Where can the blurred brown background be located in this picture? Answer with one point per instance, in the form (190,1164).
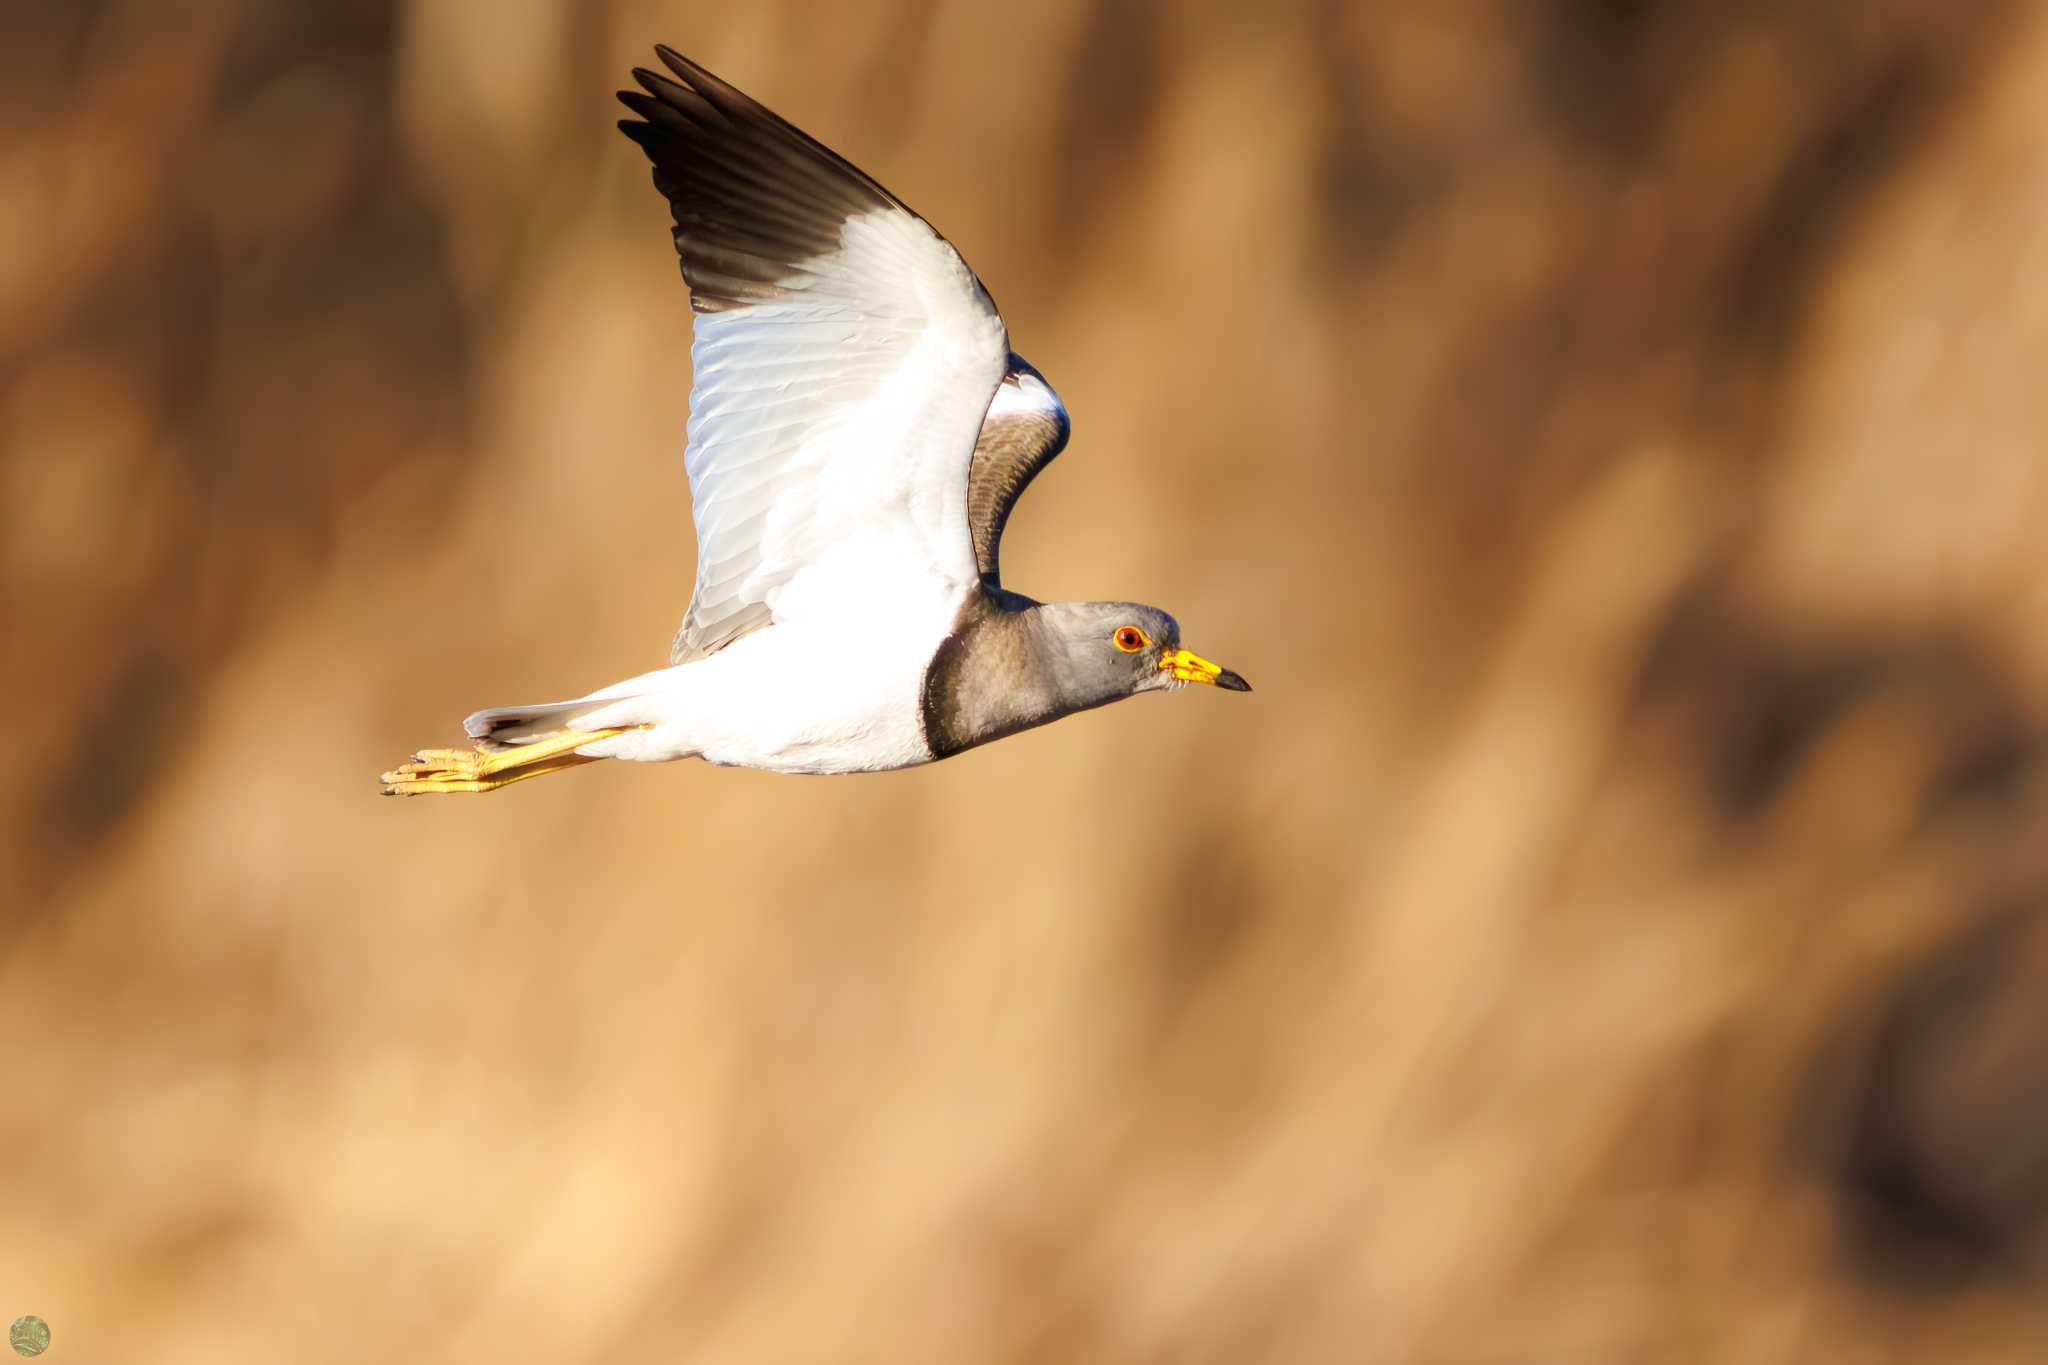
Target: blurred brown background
(1607,433)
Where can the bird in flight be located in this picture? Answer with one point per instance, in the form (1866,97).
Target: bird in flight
(859,432)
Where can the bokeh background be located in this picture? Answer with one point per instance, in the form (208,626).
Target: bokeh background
(1609,435)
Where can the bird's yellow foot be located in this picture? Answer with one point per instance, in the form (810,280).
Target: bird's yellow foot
(438,771)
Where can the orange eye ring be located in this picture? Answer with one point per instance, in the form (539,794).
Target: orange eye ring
(1129,639)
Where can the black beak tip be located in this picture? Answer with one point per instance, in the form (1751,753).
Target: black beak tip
(1231,682)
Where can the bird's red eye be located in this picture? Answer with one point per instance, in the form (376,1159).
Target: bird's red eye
(1130,639)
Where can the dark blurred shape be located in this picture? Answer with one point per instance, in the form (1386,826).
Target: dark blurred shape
(1947,1164)
(1754,701)
(122,750)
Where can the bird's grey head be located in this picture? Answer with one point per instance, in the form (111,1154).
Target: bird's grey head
(1018,663)
(1101,651)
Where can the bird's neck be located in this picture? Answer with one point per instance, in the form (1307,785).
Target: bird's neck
(994,675)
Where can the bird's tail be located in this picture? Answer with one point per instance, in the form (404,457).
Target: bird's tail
(503,727)
(513,743)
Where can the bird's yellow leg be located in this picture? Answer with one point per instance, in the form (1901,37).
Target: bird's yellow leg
(437,771)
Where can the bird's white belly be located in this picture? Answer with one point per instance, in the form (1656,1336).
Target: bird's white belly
(799,697)
(807,705)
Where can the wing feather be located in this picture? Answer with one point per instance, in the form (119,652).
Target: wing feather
(843,360)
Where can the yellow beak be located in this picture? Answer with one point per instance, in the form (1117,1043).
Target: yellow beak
(1187,666)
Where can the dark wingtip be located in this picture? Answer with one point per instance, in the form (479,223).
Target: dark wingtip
(1232,682)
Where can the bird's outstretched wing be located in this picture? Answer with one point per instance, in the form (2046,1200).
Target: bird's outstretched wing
(1025,427)
(844,358)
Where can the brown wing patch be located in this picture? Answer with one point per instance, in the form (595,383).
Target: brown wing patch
(1025,428)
